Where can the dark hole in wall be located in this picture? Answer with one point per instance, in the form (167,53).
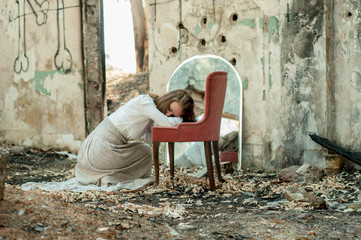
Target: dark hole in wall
(349,14)
(202,45)
(234,17)
(204,20)
(223,39)
(233,61)
(180,26)
(174,50)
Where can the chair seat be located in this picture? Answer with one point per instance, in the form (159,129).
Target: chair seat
(165,134)
(186,132)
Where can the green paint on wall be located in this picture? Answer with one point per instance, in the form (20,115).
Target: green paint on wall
(264,95)
(269,71)
(262,62)
(273,27)
(197,29)
(39,81)
(41,76)
(245,83)
(180,53)
(261,22)
(80,85)
(210,25)
(158,30)
(247,22)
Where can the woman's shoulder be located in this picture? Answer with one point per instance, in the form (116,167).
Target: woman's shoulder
(141,100)
(146,99)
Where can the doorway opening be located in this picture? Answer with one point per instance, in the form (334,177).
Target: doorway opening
(118,37)
(122,81)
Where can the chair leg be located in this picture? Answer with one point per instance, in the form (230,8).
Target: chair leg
(171,158)
(216,160)
(208,153)
(156,161)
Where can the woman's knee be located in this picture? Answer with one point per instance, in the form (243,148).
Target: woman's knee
(147,149)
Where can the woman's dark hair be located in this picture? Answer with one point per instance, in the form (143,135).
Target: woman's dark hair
(179,95)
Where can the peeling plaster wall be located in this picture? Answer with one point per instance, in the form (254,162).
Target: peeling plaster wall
(347,73)
(303,83)
(299,62)
(41,85)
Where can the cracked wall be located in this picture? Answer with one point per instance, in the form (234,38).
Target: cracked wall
(41,96)
(299,62)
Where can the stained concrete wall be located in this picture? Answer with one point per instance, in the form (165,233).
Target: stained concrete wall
(41,84)
(347,73)
(298,60)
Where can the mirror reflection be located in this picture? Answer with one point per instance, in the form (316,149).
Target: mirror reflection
(191,75)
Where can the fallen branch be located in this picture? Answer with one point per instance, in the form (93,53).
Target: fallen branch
(356,158)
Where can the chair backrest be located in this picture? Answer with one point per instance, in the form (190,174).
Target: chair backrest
(208,128)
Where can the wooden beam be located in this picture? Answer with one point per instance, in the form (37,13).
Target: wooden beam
(93,63)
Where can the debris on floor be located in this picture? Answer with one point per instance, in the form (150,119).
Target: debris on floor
(256,205)
(4,157)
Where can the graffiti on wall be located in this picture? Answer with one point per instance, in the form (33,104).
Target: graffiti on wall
(62,59)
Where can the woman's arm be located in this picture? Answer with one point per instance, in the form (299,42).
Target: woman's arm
(151,111)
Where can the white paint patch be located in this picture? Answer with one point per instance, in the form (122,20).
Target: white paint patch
(9,13)
(67,140)
(32,141)
(60,141)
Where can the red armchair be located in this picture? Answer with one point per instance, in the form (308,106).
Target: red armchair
(207,130)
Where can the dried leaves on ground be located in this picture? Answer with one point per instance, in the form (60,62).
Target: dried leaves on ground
(247,205)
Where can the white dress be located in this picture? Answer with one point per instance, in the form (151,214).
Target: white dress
(108,155)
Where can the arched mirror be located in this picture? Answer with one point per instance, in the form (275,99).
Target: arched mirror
(191,75)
